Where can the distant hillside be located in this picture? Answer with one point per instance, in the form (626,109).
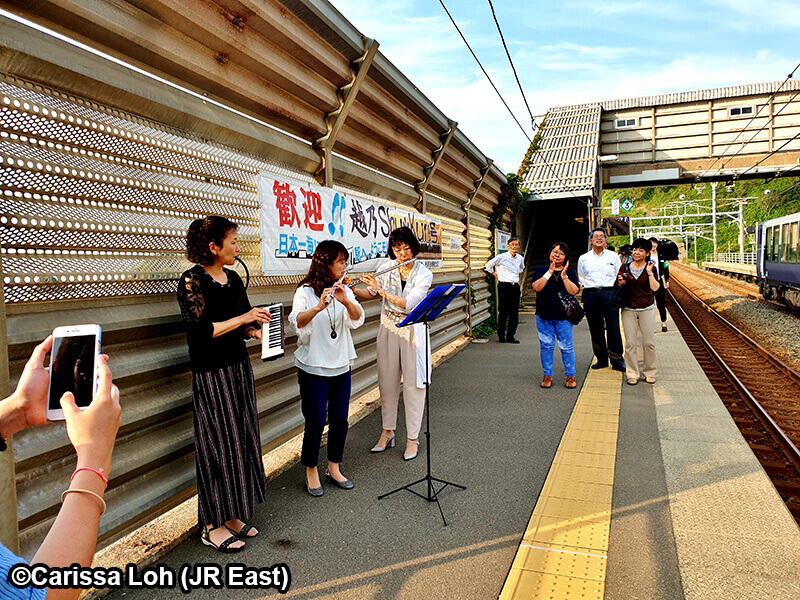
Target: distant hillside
(783,199)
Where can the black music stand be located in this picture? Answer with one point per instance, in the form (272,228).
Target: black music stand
(427,310)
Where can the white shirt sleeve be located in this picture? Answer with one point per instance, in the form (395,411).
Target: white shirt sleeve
(418,292)
(489,266)
(582,270)
(301,303)
(617,263)
(353,323)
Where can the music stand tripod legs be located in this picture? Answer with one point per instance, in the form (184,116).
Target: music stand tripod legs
(432,496)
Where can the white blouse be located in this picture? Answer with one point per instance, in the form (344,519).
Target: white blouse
(317,352)
(417,287)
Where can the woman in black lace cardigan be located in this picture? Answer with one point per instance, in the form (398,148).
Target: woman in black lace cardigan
(219,318)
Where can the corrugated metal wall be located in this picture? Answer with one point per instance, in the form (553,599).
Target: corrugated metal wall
(96,201)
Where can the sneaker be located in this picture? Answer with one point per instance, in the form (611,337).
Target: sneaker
(663,328)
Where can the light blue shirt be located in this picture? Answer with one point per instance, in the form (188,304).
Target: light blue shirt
(8,591)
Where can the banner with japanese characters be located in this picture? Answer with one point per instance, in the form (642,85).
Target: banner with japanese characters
(295,217)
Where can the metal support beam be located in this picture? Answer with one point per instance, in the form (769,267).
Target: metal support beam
(466,247)
(428,171)
(334,120)
(9,529)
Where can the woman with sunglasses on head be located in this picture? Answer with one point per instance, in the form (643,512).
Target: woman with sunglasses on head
(323,314)
(401,351)
(218,319)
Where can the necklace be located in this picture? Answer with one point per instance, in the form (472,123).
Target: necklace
(332,321)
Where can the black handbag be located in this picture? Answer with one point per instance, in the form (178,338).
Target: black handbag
(619,298)
(572,308)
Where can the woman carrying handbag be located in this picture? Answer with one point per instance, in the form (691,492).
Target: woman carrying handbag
(639,313)
(551,320)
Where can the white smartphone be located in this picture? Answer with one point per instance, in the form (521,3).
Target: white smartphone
(73,367)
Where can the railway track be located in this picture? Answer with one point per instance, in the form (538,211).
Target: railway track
(761,393)
(742,288)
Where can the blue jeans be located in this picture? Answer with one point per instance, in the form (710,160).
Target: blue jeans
(549,331)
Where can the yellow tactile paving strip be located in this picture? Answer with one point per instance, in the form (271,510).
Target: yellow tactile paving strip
(564,550)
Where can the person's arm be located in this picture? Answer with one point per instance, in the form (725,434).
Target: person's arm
(199,327)
(354,312)
(73,536)
(582,270)
(620,277)
(489,266)
(541,281)
(370,291)
(422,285)
(567,275)
(651,277)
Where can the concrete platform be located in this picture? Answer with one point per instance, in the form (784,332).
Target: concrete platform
(728,267)
(693,514)
(645,491)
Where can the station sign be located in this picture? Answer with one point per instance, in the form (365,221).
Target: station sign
(615,207)
(626,205)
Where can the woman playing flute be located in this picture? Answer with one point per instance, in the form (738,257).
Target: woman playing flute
(323,313)
(401,351)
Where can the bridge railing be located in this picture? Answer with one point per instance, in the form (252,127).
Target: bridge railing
(745,258)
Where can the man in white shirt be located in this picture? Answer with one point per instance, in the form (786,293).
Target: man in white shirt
(506,268)
(597,272)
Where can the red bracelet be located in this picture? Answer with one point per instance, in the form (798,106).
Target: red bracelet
(98,472)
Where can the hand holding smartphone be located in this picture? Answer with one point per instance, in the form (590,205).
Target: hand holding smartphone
(73,367)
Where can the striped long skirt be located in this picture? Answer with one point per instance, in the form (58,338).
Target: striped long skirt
(230,474)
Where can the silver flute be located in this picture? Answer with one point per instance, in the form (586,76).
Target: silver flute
(382,271)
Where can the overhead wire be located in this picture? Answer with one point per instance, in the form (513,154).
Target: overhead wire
(511,62)
(780,87)
(522,92)
(525,133)
(742,147)
(789,141)
(533,123)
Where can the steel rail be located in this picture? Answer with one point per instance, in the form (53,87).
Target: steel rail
(789,448)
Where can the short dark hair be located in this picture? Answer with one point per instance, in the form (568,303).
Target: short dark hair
(642,244)
(204,231)
(564,249)
(653,239)
(403,235)
(601,230)
(513,239)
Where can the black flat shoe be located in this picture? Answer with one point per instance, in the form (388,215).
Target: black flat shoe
(599,366)
(345,485)
(512,340)
(316,492)
(224,547)
(618,367)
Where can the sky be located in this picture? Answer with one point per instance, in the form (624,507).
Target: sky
(573,52)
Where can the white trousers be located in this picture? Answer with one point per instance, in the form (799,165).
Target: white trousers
(635,323)
(397,357)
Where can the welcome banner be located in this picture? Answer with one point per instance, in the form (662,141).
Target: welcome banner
(295,217)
